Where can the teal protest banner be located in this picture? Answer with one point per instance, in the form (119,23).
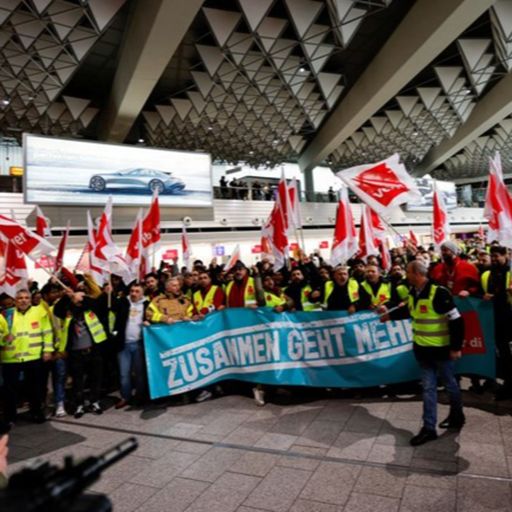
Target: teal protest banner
(322,349)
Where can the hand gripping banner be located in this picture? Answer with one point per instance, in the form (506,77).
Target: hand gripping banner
(322,349)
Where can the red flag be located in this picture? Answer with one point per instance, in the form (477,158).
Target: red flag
(383,185)
(380,240)
(344,244)
(15,273)
(134,249)
(151,224)
(42,224)
(185,247)
(498,206)
(366,236)
(441,226)
(294,217)
(481,232)
(413,238)
(25,240)
(235,256)
(62,248)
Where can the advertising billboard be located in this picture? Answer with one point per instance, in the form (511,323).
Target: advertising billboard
(426,187)
(70,172)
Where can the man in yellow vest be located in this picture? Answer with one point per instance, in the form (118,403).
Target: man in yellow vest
(209,297)
(340,294)
(274,297)
(301,292)
(496,285)
(80,337)
(244,291)
(26,341)
(438,335)
(375,291)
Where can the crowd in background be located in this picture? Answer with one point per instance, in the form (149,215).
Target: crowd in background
(63,349)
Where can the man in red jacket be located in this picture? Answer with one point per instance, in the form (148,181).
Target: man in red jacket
(456,274)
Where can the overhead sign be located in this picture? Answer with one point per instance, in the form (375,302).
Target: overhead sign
(75,173)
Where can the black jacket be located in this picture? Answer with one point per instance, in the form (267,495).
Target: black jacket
(121,308)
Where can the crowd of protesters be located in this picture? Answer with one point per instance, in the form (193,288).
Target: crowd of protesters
(64,349)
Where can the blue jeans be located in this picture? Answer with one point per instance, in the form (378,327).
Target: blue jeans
(429,371)
(131,358)
(59,374)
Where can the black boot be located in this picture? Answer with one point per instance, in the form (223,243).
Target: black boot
(425,435)
(454,421)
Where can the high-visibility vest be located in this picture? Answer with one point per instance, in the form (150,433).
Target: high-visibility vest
(272,299)
(96,330)
(176,308)
(352,288)
(402,290)
(249,293)
(32,333)
(485,283)
(207,302)
(307,305)
(430,329)
(383,293)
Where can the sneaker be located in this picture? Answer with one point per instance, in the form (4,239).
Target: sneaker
(424,436)
(259,396)
(80,411)
(95,408)
(204,395)
(454,421)
(60,411)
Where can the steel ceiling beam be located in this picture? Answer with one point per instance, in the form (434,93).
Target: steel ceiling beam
(427,29)
(495,106)
(153,34)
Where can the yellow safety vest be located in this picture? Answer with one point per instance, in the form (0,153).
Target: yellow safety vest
(249,293)
(307,305)
(32,333)
(430,329)
(383,293)
(92,322)
(403,291)
(272,300)
(485,283)
(352,288)
(207,302)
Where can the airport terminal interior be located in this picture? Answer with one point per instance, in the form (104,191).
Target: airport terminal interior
(210,105)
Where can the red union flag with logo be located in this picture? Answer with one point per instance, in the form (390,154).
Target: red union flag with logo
(23,239)
(382,185)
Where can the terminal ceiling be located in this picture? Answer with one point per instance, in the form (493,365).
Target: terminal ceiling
(339,82)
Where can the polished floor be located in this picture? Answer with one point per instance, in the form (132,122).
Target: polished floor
(301,453)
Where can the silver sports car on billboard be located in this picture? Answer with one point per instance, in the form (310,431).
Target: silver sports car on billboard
(140,178)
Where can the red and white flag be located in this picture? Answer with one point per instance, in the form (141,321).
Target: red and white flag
(440,226)
(235,256)
(59,260)
(344,244)
(383,185)
(151,224)
(42,224)
(498,206)
(294,213)
(481,232)
(25,240)
(15,275)
(413,238)
(88,261)
(380,239)
(107,253)
(273,234)
(133,255)
(185,247)
(367,240)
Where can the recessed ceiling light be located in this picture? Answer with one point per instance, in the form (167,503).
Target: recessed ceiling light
(302,70)
(141,141)
(6,101)
(251,152)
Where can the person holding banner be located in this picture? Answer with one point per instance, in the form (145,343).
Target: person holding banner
(375,291)
(209,297)
(244,291)
(340,294)
(438,334)
(171,306)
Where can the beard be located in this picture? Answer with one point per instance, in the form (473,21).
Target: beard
(447,258)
